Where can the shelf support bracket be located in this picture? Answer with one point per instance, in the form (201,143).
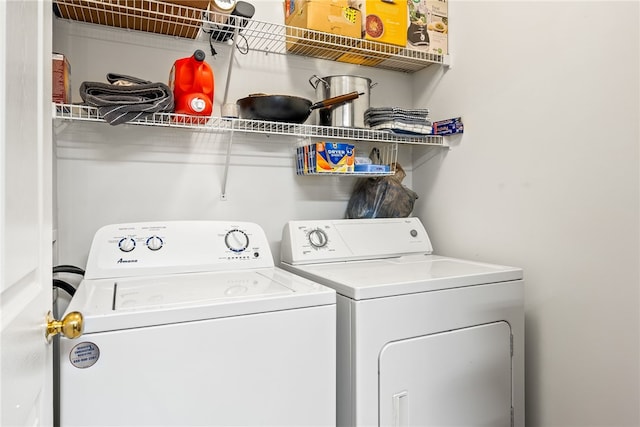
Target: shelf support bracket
(447,61)
(223,193)
(236,31)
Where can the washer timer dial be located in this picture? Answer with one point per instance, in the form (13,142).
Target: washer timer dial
(236,240)
(318,238)
(126,244)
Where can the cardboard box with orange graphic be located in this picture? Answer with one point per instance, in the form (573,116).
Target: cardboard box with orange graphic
(385,21)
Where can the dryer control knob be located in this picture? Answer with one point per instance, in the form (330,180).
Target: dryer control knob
(318,238)
(154,243)
(127,244)
(236,240)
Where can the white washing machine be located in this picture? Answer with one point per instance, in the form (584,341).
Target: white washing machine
(190,324)
(423,340)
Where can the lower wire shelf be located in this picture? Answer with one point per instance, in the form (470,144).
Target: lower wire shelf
(85,113)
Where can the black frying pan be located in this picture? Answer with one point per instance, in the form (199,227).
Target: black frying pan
(285,108)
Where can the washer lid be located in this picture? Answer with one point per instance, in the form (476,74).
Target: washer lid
(123,303)
(403,275)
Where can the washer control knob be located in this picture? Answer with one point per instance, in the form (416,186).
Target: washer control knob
(154,243)
(318,238)
(127,244)
(236,240)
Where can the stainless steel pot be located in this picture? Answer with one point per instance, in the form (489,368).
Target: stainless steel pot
(350,114)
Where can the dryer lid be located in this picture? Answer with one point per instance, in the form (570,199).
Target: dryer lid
(404,275)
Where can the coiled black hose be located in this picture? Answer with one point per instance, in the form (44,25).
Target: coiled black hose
(61,284)
(57,283)
(68,269)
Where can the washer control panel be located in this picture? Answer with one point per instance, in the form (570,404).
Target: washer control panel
(352,239)
(136,249)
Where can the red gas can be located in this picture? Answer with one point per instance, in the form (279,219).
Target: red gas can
(191,80)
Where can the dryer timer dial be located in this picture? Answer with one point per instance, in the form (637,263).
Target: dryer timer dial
(318,238)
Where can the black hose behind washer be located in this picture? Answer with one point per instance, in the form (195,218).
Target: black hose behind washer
(61,284)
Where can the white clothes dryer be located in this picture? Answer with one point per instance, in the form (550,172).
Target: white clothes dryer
(189,323)
(423,340)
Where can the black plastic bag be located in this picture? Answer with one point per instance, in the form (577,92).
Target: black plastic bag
(381,197)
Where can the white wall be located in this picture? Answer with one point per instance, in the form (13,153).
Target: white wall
(546,176)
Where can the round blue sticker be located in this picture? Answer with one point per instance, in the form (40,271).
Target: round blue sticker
(84,355)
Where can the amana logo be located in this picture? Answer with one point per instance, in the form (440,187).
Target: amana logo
(126,261)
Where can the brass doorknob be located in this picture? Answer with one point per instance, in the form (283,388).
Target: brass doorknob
(70,326)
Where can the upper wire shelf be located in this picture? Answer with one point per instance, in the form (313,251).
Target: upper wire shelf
(178,20)
(76,112)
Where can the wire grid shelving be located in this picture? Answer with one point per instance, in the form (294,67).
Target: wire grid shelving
(177,20)
(85,113)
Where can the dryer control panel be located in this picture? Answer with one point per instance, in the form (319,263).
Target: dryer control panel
(146,249)
(308,242)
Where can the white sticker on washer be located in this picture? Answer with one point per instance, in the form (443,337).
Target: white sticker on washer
(84,355)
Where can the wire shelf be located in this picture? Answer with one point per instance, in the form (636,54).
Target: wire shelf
(177,19)
(77,112)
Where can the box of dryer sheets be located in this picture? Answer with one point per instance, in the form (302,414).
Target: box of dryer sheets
(428,26)
(61,83)
(180,18)
(325,157)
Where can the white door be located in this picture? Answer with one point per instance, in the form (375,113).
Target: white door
(454,378)
(25,212)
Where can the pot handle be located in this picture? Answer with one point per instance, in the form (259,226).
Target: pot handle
(315,80)
(336,100)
